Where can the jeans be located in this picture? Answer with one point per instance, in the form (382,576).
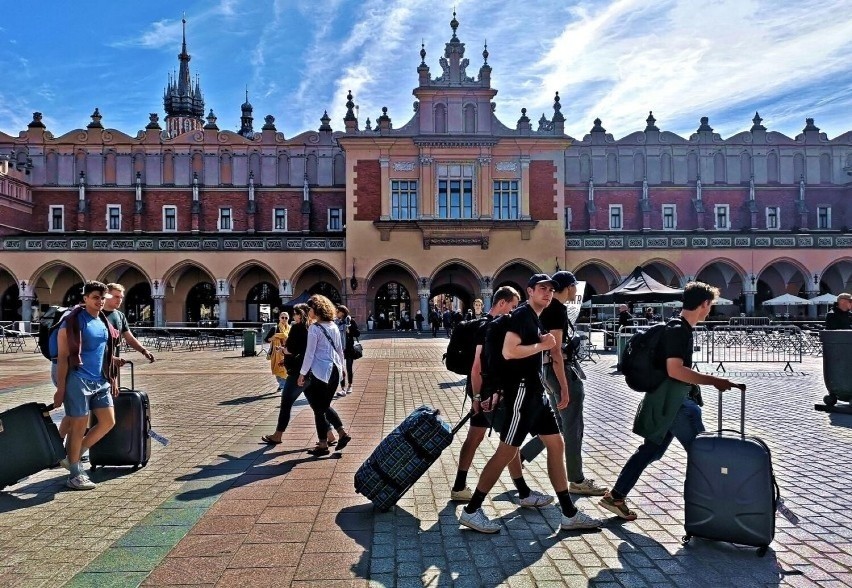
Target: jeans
(320,395)
(290,391)
(570,421)
(685,428)
(349,372)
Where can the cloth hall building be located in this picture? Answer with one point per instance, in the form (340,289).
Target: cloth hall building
(201,223)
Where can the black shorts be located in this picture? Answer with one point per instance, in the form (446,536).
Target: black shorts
(479,419)
(528,412)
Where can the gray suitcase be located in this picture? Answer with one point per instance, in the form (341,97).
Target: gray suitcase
(730,493)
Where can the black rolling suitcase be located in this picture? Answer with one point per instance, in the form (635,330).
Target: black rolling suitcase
(730,493)
(129,442)
(29,442)
(404,456)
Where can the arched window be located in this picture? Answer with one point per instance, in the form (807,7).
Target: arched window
(585,168)
(440,118)
(392,302)
(666,168)
(772,168)
(470,118)
(201,303)
(263,303)
(638,167)
(825,168)
(611,167)
(719,168)
(326,290)
(691,167)
(254,167)
(311,168)
(339,171)
(52,165)
(798,167)
(226,169)
(283,169)
(745,167)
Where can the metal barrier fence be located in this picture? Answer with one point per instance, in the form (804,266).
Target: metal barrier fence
(754,344)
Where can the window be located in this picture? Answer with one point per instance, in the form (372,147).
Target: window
(723,221)
(824,217)
(455,191)
(170,218)
(335,219)
(670,216)
(404,199)
(506,199)
(113,217)
(773,214)
(279,219)
(57,218)
(569,216)
(225,219)
(615,217)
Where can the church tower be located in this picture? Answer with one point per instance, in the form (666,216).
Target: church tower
(246,126)
(182,99)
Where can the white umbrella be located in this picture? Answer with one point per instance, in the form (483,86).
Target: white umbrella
(723,302)
(823,299)
(786,300)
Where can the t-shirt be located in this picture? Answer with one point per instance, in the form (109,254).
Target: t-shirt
(117,319)
(527,326)
(94,336)
(555,316)
(677,341)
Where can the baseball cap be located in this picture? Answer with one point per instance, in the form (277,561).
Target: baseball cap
(540,279)
(844,296)
(563,279)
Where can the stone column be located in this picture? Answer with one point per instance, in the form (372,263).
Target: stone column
(487,294)
(812,309)
(27,307)
(159,306)
(384,164)
(223,309)
(525,187)
(424,303)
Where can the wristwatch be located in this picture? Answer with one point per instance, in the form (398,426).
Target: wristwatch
(477,397)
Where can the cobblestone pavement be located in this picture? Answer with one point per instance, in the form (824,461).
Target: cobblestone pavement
(215,507)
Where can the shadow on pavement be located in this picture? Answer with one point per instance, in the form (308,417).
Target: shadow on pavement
(841,419)
(247,399)
(12,502)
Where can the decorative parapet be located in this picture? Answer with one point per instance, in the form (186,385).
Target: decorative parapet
(176,243)
(708,241)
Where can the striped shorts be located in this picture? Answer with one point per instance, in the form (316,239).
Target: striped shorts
(528,412)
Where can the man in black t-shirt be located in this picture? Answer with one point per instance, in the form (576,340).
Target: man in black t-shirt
(527,412)
(673,409)
(119,321)
(564,388)
(505,299)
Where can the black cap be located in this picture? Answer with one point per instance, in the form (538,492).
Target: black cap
(539,279)
(564,279)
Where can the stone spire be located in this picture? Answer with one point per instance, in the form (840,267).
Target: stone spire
(453,63)
(756,126)
(650,122)
(324,122)
(350,121)
(705,126)
(246,119)
(182,99)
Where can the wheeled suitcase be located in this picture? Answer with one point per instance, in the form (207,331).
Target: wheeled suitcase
(128,443)
(404,456)
(29,442)
(730,493)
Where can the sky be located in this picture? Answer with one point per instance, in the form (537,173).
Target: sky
(612,59)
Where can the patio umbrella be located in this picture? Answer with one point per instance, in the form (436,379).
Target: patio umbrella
(823,299)
(787,300)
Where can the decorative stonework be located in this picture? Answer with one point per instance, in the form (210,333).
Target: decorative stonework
(678,242)
(507,166)
(403,166)
(762,242)
(573,243)
(843,242)
(635,242)
(662,242)
(784,241)
(721,242)
(824,241)
(430,241)
(805,241)
(700,242)
(742,242)
(594,243)
(122,244)
(615,242)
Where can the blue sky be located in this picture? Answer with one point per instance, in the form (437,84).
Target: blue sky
(613,59)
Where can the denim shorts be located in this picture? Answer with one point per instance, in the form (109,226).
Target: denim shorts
(82,395)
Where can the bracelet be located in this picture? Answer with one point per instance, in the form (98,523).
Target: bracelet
(477,397)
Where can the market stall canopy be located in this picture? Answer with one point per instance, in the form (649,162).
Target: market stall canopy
(823,299)
(786,300)
(300,299)
(639,287)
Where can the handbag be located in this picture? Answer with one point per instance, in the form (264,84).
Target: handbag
(357,350)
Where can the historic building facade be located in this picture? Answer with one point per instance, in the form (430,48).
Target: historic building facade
(201,223)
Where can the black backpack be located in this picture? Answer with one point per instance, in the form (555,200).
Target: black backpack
(491,359)
(461,349)
(640,361)
(47,324)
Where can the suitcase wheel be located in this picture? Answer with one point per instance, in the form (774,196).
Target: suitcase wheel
(761,551)
(135,467)
(685,539)
(830,400)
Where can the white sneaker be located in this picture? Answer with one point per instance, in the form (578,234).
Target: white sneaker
(463,495)
(586,487)
(340,394)
(536,499)
(579,521)
(81,482)
(349,390)
(478,522)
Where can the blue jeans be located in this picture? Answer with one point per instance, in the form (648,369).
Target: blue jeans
(685,428)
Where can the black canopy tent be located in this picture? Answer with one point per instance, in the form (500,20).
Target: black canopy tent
(639,287)
(300,299)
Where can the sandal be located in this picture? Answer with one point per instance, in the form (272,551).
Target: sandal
(269,440)
(618,507)
(318,451)
(343,442)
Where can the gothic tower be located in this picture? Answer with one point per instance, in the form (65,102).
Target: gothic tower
(182,99)
(246,127)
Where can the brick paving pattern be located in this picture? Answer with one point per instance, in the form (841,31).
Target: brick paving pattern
(216,508)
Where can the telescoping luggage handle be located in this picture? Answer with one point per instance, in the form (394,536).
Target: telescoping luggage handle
(742,411)
(132,375)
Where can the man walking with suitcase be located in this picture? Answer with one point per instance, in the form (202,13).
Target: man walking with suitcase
(674,408)
(86,377)
(527,412)
(118,320)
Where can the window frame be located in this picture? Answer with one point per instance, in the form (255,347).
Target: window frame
(395,199)
(275,226)
(716,209)
(328,226)
(620,209)
(109,209)
(827,210)
(512,193)
(166,208)
(50,218)
(673,208)
(569,218)
(448,177)
(777,210)
(229,217)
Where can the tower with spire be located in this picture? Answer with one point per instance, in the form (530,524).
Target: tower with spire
(246,119)
(182,99)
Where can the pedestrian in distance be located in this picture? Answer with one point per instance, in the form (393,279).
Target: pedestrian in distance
(673,409)
(277,341)
(418,319)
(840,316)
(527,412)
(349,333)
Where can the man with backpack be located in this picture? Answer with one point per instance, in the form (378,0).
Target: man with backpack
(527,410)
(505,299)
(673,408)
(565,389)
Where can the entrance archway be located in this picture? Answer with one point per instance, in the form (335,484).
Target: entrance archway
(10,305)
(326,290)
(729,279)
(201,304)
(263,303)
(392,302)
(139,306)
(516,275)
(455,286)
(73,296)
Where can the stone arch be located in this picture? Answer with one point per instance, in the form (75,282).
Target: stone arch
(440,118)
(652,268)
(51,281)
(459,292)
(391,289)
(469,117)
(825,168)
(772,168)
(737,267)
(178,269)
(339,170)
(666,168)
(5,269)
(391,262)
(240,270)
(50,265)
(283,168)
(456,261)
(745,166)
(730,277)
(121,266)
(534,269)
(302,269)
(793,262)
(720,175)
(836,277)
(600,276)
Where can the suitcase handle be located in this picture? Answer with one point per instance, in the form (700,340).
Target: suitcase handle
(742,411)
(132,375)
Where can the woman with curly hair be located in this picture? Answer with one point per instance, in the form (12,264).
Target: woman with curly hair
(324,362)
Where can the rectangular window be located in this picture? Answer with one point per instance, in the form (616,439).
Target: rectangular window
(723,220)
(170,218)
(824,217)
(670,216)
(57,218)
(225,219)
(568,218)
(506,200)
(113,217)
(455,191)
(773,220)
(615,217)
(335,219)
(404,199)
(279,219)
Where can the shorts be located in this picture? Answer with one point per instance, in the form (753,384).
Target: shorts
(83,396)
(528,412)
(479,419)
